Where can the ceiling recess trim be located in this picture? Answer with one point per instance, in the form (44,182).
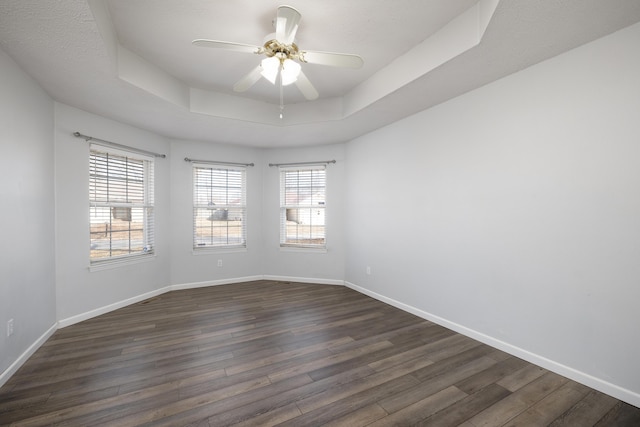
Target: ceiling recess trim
(455,38)
(458,36)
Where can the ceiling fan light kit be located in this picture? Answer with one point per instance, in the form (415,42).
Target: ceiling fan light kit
(290,72)
(283,57)
(270,68)
(288,69)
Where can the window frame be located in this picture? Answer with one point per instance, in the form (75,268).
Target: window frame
(241,206)
(285,207)
(121,209)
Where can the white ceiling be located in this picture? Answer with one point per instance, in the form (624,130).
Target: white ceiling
(161,32)
(132,60)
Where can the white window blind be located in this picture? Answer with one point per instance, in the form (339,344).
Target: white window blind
(219,207)
(302,206)
(121,206)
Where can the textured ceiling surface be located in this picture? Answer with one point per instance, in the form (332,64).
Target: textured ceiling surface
(369,28)
(77,51)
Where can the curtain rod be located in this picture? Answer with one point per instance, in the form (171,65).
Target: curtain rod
(214,162)
(124,147)
(322,162)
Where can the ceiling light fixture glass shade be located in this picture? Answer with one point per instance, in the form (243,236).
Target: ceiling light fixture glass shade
(290,72)
(270,67)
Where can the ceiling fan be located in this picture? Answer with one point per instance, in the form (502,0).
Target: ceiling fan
(283,56)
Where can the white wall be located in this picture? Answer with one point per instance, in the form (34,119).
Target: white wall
(27,287)
(188,268)
(82,293)
(323,267)
(516,212)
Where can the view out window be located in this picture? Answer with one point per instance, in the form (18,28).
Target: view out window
(219,207)
(302,206)
(121,213)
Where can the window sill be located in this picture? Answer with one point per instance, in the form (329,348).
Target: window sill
(210,251)
(304,249)
(110,264)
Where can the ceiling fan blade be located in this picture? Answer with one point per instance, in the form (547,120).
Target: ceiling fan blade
(236,47)
(249,80)
(310,93)
(287,24)
(345,60)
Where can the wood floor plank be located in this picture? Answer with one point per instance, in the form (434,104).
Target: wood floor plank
(519,401)
(550,407)
(362,359)
(327,360)
(398,358)
(463,409)
(263,404)
(586,412)
(291,354)
(490,375)
(436,384)
(265,361)
(193,402)
(271,418)
(521,377)
(453,363)
(622,414)
(265,398)
(344,390)
(423,408)
(361,417)
(350,403)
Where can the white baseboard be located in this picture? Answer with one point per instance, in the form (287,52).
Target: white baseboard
(305,280)
(63,323)
(214,283)
(111,307)
(13,368)
(566,371)
(133,300)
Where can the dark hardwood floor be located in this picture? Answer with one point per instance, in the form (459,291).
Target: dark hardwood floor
(288,354)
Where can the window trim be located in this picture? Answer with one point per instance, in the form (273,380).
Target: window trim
(148,204)
(228,248)
(300,247)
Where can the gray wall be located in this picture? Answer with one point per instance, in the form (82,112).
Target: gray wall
(187,267)
(82,293)
(326,266)
(515,213)
(263,256)
(27,257)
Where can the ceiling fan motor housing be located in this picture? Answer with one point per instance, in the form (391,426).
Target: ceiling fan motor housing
(281,51)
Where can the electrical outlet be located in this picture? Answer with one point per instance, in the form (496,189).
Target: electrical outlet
(219,263)
(368,270)
(9,327)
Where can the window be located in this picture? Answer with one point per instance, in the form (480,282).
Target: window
(121,213)
(302,206)
(219,207)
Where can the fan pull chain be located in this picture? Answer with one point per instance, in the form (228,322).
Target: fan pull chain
(281,98)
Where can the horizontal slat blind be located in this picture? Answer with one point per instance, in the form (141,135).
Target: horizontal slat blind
(302,206)
(219,207)
(121,205)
